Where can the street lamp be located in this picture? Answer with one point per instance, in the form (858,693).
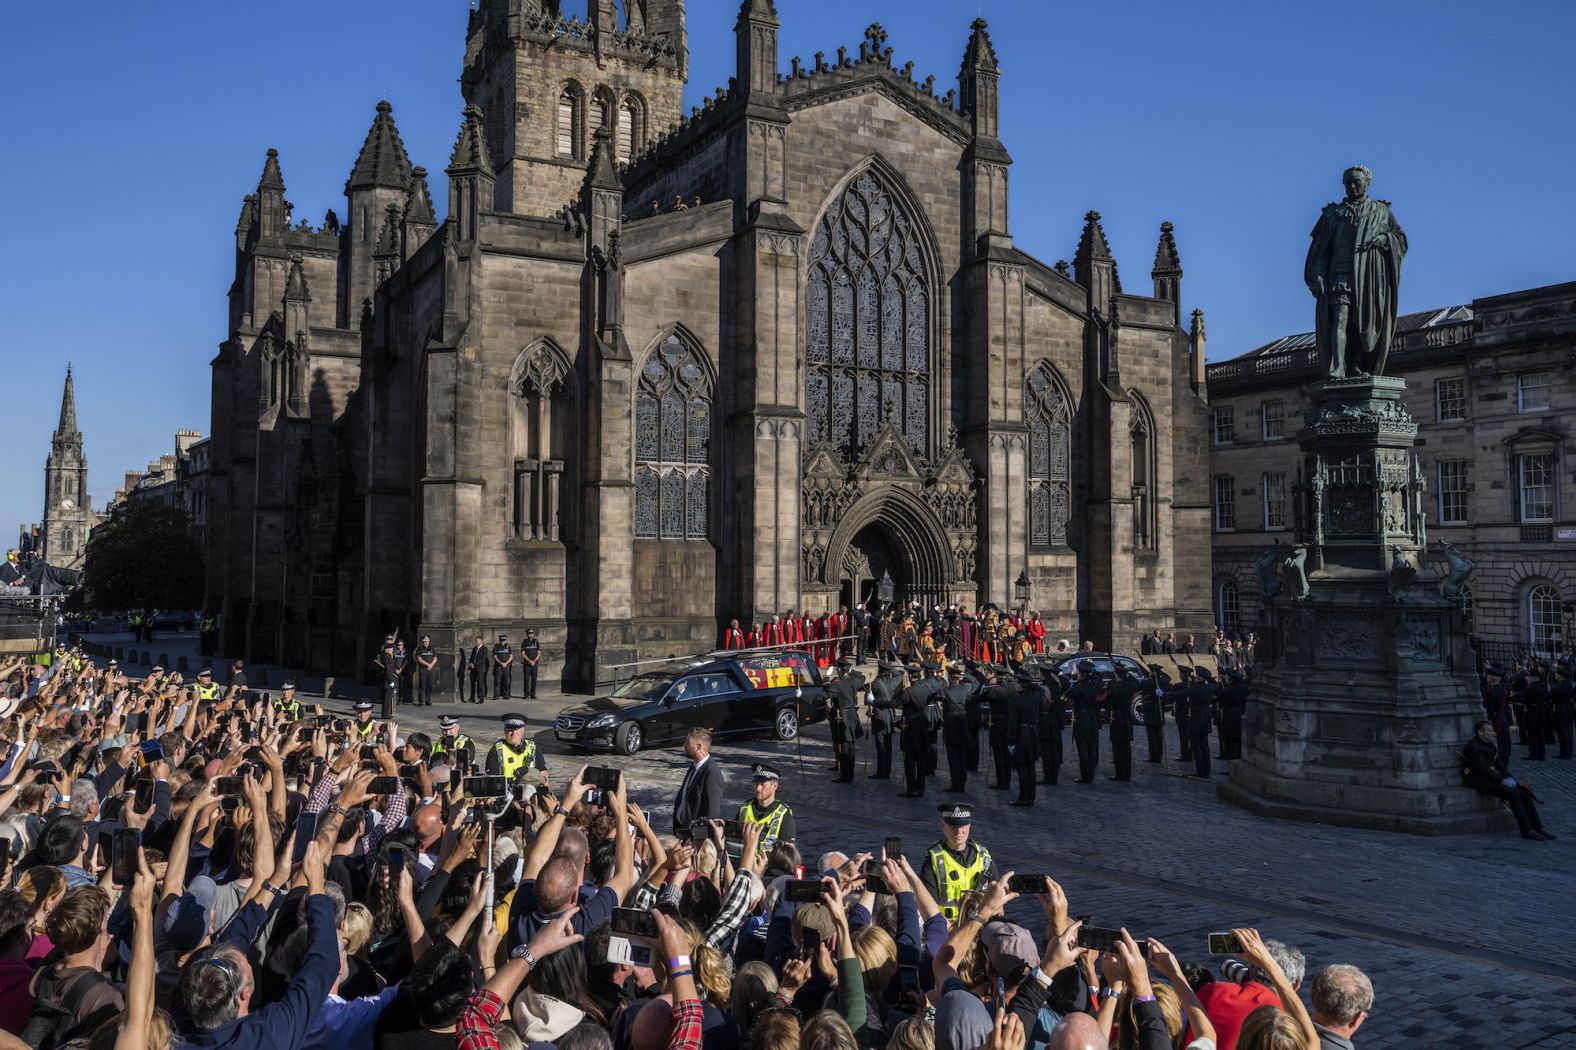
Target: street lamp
(886,587)
(1020,589)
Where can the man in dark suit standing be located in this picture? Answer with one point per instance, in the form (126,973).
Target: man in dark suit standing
(700,795)
(479,660)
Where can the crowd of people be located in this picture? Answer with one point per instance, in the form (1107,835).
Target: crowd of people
(239,871)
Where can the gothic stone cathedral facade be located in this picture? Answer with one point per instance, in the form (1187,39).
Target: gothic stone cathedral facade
(653,371)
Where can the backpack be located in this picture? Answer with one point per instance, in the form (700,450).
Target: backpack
(54,1017)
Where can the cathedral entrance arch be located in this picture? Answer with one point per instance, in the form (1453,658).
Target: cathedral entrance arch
(890,530)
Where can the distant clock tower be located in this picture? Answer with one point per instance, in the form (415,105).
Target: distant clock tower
(66,519)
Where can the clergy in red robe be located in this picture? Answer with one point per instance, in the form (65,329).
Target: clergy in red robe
(776,633)
(806,627)
(733,638)
(823,634)
(840,624)
(1036,632)
(792,633)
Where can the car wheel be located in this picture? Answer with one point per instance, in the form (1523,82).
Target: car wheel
(628,739)
(787,725)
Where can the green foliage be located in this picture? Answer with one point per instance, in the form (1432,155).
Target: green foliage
(147,557)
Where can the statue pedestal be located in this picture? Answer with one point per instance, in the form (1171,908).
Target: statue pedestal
(1370,689)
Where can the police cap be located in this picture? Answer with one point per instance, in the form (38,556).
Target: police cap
(760,772)
(957,814)
(1203,672)
(448,722)
(286,686)
(511,722)
(363,706)
(205,672)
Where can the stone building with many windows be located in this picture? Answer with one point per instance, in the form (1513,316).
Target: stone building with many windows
(1490,386)
(655,370)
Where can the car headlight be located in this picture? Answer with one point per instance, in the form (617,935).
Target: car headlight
(601,721)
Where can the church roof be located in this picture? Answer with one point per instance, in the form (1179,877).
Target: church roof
(1412,322)
(383,161)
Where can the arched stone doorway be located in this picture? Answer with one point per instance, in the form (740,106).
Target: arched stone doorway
(890,530)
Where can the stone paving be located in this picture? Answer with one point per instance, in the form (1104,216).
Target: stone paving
(1468,939)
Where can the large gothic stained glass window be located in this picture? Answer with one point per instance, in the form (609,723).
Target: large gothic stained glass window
(868,323)
(672,444)
(1047,410)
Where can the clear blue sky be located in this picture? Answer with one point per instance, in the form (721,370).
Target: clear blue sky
(131,132)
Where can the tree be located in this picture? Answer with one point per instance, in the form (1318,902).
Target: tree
(147,556)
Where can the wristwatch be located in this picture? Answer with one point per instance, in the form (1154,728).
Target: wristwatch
(975,915)
(335,807)
(524,952)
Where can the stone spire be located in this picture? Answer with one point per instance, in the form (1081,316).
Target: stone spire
(271,217)
(603,172)
(756,35)
(470,146)
(418,202)
(1093,265)
(471,179)
(383,161)
(68,409)
(272,178)
(979,82)
(1167,273)
(1196,349)
(295,283)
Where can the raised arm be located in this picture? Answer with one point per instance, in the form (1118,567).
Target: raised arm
(1166,963)
(1254,952)
(134,1028)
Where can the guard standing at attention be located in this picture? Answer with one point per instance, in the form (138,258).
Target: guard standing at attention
(954,865)
(1535,710)
(426,670)
(1119,699)
(478,670)
(1085,697)
(1155,714)
(843,711)
(515,755)
(998,698)
(915,736)
(883,703)
(1023,734)
(773,816)
(1564,709)
(530,658)
(402,676)
(955,724)
(1200,706)
(934,684)
(288,706)
(1180,708)
(1053,717)
(503,668)
(389,671)
(1233,704)
(452,745)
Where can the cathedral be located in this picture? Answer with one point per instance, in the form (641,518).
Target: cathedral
(656,369)
(68,515)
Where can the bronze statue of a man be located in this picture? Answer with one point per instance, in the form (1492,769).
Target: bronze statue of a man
(1354,272)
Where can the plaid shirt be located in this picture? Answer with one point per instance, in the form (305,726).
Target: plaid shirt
(687,1018)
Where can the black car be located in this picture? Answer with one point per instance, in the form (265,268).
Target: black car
(1105,664)
(742,692)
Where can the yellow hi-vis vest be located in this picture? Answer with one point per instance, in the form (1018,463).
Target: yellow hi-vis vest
(365,729)
(953,878)
(770,821)
(208,692)
(457,743)
(511,762)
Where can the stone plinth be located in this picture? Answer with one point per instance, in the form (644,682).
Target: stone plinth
(1370,688)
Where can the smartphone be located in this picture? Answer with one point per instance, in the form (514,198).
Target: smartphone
(110,812)
(809,943)
(1103,940)
(603,778)
(412,771)
(383,786)
(229,785)
(892,849)
(733,829)
(1001,994)
(875,882)
(323,721)
(149,752)
(908,978)
(635,922)
(485,787)
(229,804)
(803,891)
(798,871)
(1027,884)
(396,858)
(1224,944)
(306,831)
(142,794)
(369,752)
(124,855)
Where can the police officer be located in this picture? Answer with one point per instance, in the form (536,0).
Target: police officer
(1085,698)
(1200,706)
(503,668)
(1180,709)
(514,756)
(843,712)
(452,745)
(915,735)
(955,724)
(364,730)
(955,865)
(288,706)
(1564,712)
(1233,704)
(426,670)
(1023,734)
(883,704)
(207,688)
(1119,700)
(773,816)
(476,665)
(530,657)
(1053,717)
(1155,714)
(998,698)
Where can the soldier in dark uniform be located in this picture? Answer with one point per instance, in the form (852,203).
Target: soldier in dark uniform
(389,671)
(1233,705)
(1119,700)
(1564,709)
(843,711)
(1155,714)
(1085,698)
(1200,708)
(426,670)
(955,724)
(1053,718)
(530,657)
(1496,706)
(1179,709)
(503,668)
(477,665)
(974,710)
(915,735)
(402,677)
(1535,707)
(997,699)
(1023,734)
(883,704)
(934,685)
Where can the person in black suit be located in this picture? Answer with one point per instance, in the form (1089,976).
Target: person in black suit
(1023,734)
(700,795)
(1485,772)
(479,660)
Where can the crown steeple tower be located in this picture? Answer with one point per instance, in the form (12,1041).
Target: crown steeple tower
(66,487)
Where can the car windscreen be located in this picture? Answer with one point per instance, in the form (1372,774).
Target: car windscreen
(644,687)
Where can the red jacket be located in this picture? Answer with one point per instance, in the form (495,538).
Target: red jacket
(733,638)
(1229,1004)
